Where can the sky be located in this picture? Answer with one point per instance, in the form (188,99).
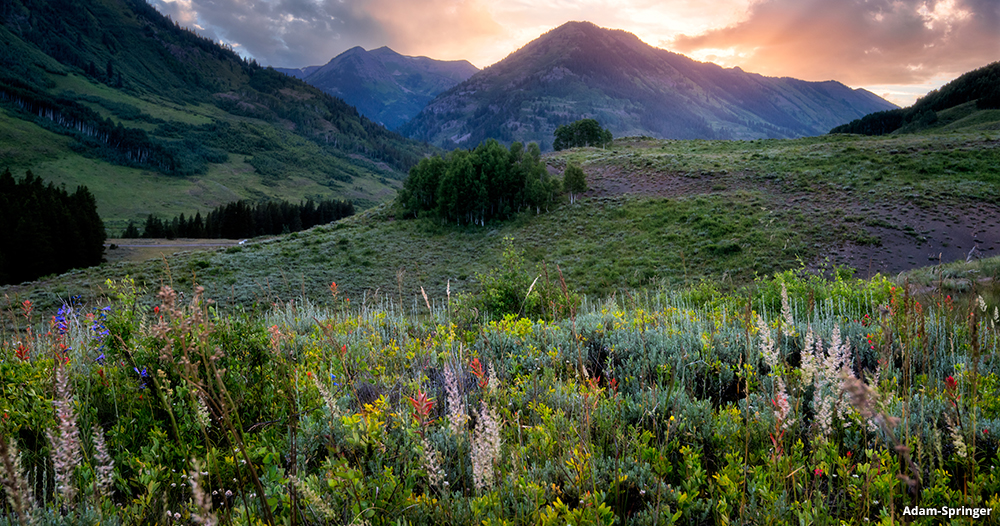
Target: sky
(897,49)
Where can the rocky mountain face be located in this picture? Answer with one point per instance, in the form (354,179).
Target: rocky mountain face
(383,85)
(580,70)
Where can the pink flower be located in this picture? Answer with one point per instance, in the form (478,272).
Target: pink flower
(818,472)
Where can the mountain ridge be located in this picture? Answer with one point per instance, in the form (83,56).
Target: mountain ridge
(120,95)
(385,86)
(580,70)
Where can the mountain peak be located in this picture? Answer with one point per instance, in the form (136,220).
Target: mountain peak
(580,70)
(386,86)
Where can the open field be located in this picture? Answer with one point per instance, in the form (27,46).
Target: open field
(658,212)
(135,250)
(696,369)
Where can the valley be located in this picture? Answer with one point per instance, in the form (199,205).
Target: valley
(775,302)
(658,213)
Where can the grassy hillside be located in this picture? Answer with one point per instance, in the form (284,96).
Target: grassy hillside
(154,119)
(970,102)
(676,376)
(673,212)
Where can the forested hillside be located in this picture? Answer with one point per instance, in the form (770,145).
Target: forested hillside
(980,89)
(127,87)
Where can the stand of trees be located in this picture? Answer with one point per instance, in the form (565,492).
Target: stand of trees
(244,219)
(473,187)
(584,132)
(46,230)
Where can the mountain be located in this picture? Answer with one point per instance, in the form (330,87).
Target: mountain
(971,101)
(580,70)
(155,119)
(299,73)
(383,85)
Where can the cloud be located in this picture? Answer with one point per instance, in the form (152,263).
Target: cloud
(296,33)
(858,42)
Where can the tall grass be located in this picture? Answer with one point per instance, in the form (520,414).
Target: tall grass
(798,400)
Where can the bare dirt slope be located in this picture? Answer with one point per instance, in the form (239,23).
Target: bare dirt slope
(896,234)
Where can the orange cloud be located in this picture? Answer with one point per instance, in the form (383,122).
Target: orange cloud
(442,29)
(857,42)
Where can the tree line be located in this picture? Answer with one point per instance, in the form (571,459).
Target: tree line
(241,219)
(473,187)
(981,85)
(45,230)
(101,136)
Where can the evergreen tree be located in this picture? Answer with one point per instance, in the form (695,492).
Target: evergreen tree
(47,229)
(131,231)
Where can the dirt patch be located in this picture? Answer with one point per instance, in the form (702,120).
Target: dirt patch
(888,235)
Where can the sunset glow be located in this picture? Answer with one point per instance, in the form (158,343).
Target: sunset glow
(897,49)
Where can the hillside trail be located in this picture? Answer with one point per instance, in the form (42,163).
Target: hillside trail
(909,235)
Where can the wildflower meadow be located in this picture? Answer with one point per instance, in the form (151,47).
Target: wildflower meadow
(800,400)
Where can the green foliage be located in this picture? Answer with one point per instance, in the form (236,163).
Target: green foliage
(138,96)
(981,85)
(509,290)
(243,219)
(574,181)
(45,229)
(638,410)
(473,187)
(584,132)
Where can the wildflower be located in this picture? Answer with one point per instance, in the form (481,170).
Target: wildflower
(485,447)
(457,416)
(201,413)
(202,502)
(22,352)
(421,409)
(951,387)
(143,377)
(432,465)
(818,472)
(16,487)
(65,440)
(105,464)
(477,369)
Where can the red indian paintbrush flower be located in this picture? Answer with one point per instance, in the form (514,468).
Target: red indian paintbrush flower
(421,409)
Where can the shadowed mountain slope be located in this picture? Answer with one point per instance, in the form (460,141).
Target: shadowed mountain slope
(383,85)
(580,70)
